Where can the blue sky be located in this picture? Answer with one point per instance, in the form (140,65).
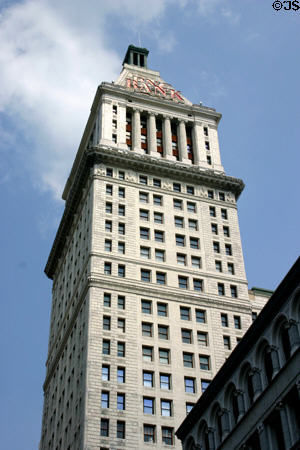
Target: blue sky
(240,57)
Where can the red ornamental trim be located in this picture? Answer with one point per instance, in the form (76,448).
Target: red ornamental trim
(148,86)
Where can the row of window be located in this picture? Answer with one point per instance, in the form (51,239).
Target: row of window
(109,190)
(107,323)
(109,227)
(185,314)
(109,209)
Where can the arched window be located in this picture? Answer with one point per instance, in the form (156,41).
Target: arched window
(249,385)
(234,406)
(268,365)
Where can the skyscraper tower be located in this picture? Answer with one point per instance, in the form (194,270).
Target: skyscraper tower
(149,286)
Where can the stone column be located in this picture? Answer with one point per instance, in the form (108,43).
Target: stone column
(196,139)
(183,156)
(136,131)
(105,122)
(225,423)
(121,130)
(240,402)
(285,425)
(151,135)
(262,436)
(167,139)
(211,438)
(275,359)
(256,382)
(293,335)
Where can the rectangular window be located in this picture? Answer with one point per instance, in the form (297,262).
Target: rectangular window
(147,353)
(214,228)
(104,399)
(106,347)
(157,200)
(159,236)
(180,240)
(121,349)
(182,282)
(237,322)
(228,249)
(178,222)
(254,315)
(216,247)
(106,300)
(221,289)
(145,252)
(226,340)
(120,429)
(222,196)
(121,192)
(121,302)
(148,379)
(202,338)
(200,315)
(106,323)
(224,214)
(121,271)
(120,402)
(177,203)
(191,207)
(104,427)
(107,268)
(205,131)
(121,247)
(193,224)
(121,210)
(224,320)
(158,217)
(143,179)
(149,433)
(218,266)
(189,385)
(165,381)
(162,309)
(185,313)
(146,306)
(159,255)
(146,275)
(198,284)
(108,226)
(226,231)
(210,194)
(109,189)
(166,408)
(233,291)
(144,214)
(204,362)
(108,208)
(194,242)
(148,405)
(212,211)
(121,228)
(105,372)
(196,262)
(190,190)
(156,182)
(121,324)
(164,356)
(109,172)
(144,197)
(207,147)
(121,375)
(186,336)
(163,332)
(204,385)
(121,175)
(144,233)
(147,329)
(188,359)
(181,259)
(188,407)
(176,187)
(230,267)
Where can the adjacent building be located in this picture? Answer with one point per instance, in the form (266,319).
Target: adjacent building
(150,294)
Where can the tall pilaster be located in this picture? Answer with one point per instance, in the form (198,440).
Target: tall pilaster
(136,131)
(183,156)
(167,138)
(151,132)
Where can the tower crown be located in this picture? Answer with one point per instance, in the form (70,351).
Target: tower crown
(136,56)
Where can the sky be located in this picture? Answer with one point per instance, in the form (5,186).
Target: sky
(240,57)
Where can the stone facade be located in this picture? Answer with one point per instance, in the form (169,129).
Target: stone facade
(149,287)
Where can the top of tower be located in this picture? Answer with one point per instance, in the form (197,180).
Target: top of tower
(136,56)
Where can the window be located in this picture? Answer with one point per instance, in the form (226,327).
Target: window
(188,407)
(144,214)
(156,182)
(121,192)
(216,247)
(148,405)
(218,266)
(120,402)
(121,175)
(196,262)
(221,289)
(233,291)
(144,233)
(188,359)
(106,347)
(205,131)
(191,207)
(200,316)
(121,375)
(182,282)
(121,271)
(204,362)
(147,329)
(143,179)
(159,255)
(224,320)
(162,309)
(226,340)
(178,222)
(120,429)
(176,187)
(108,226)
(159,236)
(194,242)
(157,200)
(145,275)
(204,385)
(107,300)
(230,267)
(149,433)
(224,214)
(185,313)
(104,399)
(115,109)
(104,427)
(144,197)
(158,217)
(147,353)
(109,172)
(108,207)
(109,189)
(121,228)
(212,211)
(202,338)
(121,247)
(193,224)
(190,190)
(166,408)
(226,231)
(181,259)
(106,323)
(105,373)
(186,336)
(222,196)
(228,249)
(121,349)
(198,284)
(237,322)
(121,302)
(121,210)
(145,252)
(107,268)
(210,194)
(207,147)
(121,324)
(254,316)
(148,379)
(165,381)
(177,203)
(146,306)
(214,228)
(180,240)
(164,356)
(189,385)
(163,332)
